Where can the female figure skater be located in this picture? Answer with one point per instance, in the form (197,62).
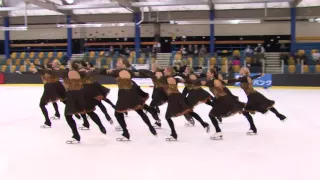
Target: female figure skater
(177,104)
(76,101)
(128,97)
(94,92)
(159,96)
(53,92)
(256,101)
(224,104)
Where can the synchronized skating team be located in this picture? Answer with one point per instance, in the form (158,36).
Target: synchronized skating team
(81,93)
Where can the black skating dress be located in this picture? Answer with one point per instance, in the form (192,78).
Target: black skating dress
(53,88)
(75,94)
(196,94)
(142,94)
(177,103)
(128,93)
(256,101)
(159,96)
(224,104)
(92,89)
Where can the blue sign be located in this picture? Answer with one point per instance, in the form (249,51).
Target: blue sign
(263,81)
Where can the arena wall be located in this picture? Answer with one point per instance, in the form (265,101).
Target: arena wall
(278,80)
(304,29)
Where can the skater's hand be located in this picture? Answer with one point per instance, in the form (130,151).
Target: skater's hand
(110,71)
(203,83)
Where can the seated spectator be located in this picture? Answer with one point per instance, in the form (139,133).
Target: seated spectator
(316,57)
(248,52)
(301,57)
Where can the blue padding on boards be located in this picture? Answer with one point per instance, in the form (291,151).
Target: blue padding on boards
(263,81)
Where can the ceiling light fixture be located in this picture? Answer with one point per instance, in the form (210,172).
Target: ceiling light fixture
(16,28)
(231,21)
(94,25)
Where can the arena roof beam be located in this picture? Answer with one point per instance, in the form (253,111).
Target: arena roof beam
(295,3)
(126,4)
(89,6)
(45,5)
(202,2)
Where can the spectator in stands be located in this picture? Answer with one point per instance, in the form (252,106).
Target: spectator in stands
(121,50)
(190,50)
(248,51)
(154,51)
(147,51)
(111,51)
(316,57)
(183,51)
(301,56)
(127,51)
(203,51)
(196,50)
(260,49)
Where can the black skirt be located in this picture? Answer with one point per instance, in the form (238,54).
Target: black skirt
(226,106)
(227,90)
(177,105)
(53,92)
(102,90)
(77,103)
(92,95)
(159,97)
(128,99)
(258,102)
(196,96)
(141,93)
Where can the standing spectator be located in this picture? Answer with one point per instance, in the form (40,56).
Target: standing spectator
(196,50)
(248,51)
(111,51)
(183,51)
(190,50)
(203,51)
(127,51)
(121,50)
(147,52)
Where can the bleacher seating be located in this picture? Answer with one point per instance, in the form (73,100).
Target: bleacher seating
(19,61)
(209,61)
(310,67)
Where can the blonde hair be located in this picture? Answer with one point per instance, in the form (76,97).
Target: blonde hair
(57,62)
(246,71)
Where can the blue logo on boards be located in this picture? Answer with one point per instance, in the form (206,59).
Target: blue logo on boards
(263,81)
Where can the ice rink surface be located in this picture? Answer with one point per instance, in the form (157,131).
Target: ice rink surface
(281,151)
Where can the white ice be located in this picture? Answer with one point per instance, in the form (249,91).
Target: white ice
(281,151)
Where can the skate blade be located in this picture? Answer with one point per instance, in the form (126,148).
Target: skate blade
(171,139)
(73,142)
(217,138)
(189,125)
(122,139)
(55,118)
(84,128)
(251,134)
(45,126)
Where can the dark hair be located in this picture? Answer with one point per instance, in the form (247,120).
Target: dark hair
(125,61)
(84,64)
(75,65)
